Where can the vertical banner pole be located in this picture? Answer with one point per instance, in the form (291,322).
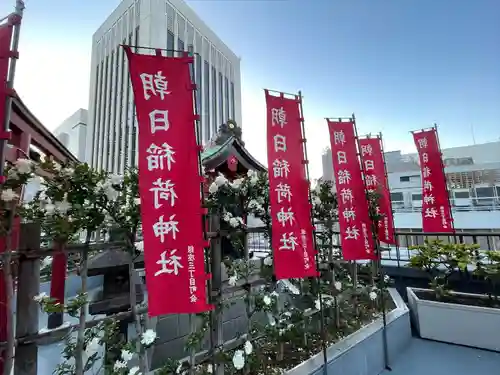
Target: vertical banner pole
(444,176)
(378,262)
(15,19)
(386,176)
(318,278)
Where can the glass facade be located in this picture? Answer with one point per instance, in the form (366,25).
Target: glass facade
(226,97)
(206,93)
(115,129)
(221,104)
(215,121)
(170,43)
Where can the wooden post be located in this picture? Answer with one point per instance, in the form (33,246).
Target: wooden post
(27,309)
(216,339)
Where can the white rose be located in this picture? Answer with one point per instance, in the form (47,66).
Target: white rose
(267,300)
(23,166)
(212,189)
(220,180)
(238,360)
(268,261)
(233,222)
(8,195)
(373,296)
(338,285)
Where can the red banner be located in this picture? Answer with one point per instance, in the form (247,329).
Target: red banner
(436,210)
(169,184)
(354,218)
(292,230)
(376,180)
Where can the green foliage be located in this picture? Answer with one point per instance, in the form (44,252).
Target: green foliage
(441,260)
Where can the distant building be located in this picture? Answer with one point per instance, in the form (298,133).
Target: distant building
(166,24)
(473,177)
(73,134)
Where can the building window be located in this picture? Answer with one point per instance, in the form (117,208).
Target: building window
(180,46)
(226,98)
(91,156)
(170,43)
(233,110)
(221,100)
(463,194)
(206,92)
(397,197)
(416,197)
(412,178)
(104,112)
(198,84)
(214,100)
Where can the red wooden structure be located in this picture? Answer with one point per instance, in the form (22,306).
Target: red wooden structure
(28,131)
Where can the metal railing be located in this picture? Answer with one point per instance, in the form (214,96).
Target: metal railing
(259,246)
(466,204)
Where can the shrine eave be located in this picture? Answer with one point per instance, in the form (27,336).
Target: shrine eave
(217,155)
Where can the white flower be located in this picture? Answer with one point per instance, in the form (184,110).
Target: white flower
(317,304)
(220,180)
(23,166)
(137,201)
(267,300)
(134,371)
(49,209)
(237,183)
(373,296)
(227,216)
(111,193)
(271,319)
(148,337)
(268,261)
(179,368)
(238,360)
(8,195)
(116,179)
(40,297)
(119,365)
(67,172)
(46,262)
(92,347)
(139,246)
(232,280)
(338,285)
(387,278)
(62,207)
(212,189)
(13,174)
(234,222)
(210,370)
(126,355)
(248,348)
(251,173)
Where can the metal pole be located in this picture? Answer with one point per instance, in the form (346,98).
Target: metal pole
(377,251)
(318,278)
(10,79)
(444,176)
(390,201)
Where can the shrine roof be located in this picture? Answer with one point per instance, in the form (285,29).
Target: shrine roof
(215,155)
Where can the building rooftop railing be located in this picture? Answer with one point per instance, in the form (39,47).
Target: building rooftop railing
(466,204)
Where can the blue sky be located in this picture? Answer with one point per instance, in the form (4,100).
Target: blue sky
(400,65)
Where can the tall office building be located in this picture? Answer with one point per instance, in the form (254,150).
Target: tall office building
(73,133)
(166,24)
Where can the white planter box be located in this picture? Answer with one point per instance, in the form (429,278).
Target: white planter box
(473,326)
(361,353)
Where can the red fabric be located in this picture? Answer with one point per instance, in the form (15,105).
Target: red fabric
(292,239)
(375,179)
(436,210)
(174,255)
(58,280)
(354,218)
